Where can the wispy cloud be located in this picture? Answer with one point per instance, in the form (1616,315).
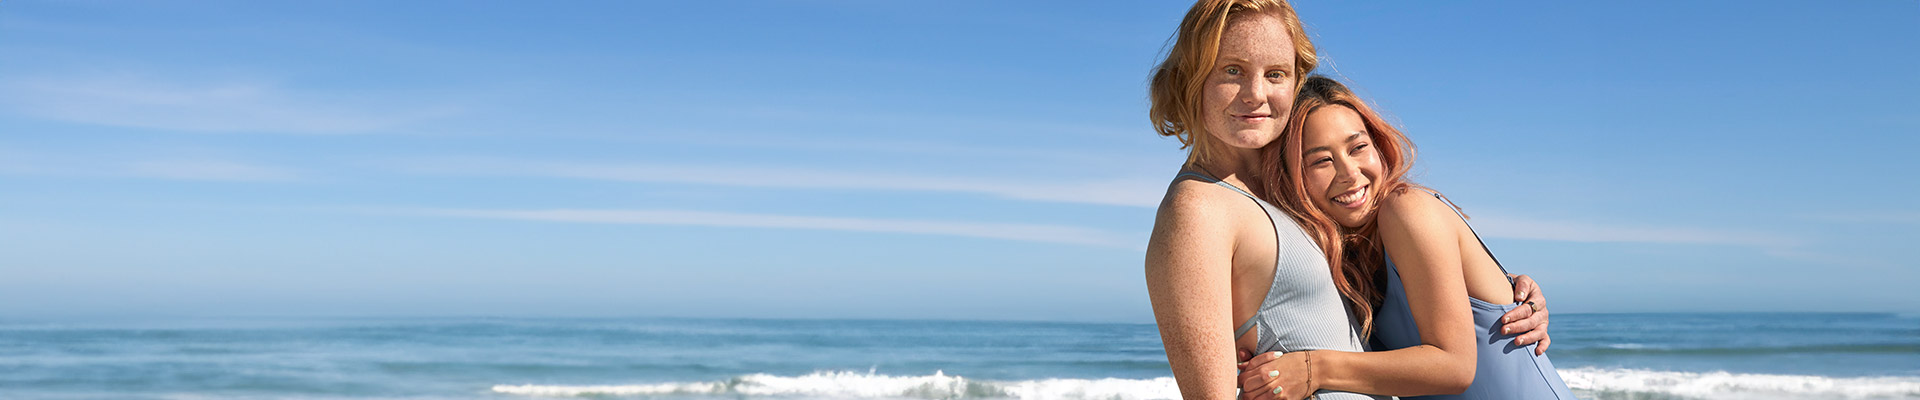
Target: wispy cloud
(250,107)
(1884,217)
(176,168)
(1134,192)
(1582,231)
(1004,231)
(211,170)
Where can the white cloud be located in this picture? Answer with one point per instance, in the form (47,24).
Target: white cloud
(176,168)
(1883,217)
(215,107)
(210,170)
(1005,231)
(1134,192)
(1578,231)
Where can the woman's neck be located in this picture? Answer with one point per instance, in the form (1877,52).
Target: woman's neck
(1235,163)
(1235,167)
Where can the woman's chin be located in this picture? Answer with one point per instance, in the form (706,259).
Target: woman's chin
(1250,138)
(1349,220)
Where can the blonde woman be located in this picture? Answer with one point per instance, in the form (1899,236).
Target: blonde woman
(1221,258)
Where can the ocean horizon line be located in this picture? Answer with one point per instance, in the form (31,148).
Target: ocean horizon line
(131,317)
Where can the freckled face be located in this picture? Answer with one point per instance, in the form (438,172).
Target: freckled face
(1249,91)
(1341,164)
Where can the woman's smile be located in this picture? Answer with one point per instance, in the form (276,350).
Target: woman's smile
(1254,118)
(1352,199)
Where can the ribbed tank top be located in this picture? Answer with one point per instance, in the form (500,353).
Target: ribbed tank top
(1302,310)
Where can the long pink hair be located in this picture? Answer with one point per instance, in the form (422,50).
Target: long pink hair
(1351,253)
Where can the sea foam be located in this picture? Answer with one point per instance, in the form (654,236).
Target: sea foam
(1604,383)
(1725,385)
(840,384)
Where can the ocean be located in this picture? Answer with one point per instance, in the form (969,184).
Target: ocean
(1603,356)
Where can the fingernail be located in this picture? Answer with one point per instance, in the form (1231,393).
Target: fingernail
(1506,330)
(1523,294)
(1276,390)
(1273,373)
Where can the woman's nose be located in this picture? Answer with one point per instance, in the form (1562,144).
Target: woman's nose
(1255,92)
(1347,171)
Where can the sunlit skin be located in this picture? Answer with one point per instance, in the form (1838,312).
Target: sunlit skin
(1210,261)
(1248,99)
(1438,258)
(1340,165)
(1249,91)
(1211,258)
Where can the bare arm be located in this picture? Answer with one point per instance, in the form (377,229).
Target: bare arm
(1189,280)
(1425,248)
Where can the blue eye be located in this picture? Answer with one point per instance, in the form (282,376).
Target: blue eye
(1233,70)
(1276,75)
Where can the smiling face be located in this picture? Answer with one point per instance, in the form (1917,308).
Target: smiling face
(1249,90)
(1340,164)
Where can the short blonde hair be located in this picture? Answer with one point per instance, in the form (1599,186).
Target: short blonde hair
(1176,87)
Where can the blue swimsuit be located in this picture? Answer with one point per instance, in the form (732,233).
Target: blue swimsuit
(1502,369)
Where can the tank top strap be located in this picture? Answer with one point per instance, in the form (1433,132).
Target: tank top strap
(1247,326)
(1255,319)
(1195,175)
(1476,235)
(1216,181)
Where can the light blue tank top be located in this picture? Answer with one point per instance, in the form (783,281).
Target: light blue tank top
(1302,309)
(1502,370)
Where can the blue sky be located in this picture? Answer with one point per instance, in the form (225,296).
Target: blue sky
(976,160)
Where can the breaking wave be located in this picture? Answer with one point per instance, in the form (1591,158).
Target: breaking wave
(1602,383)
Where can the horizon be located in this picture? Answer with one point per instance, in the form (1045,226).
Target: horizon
(265,318)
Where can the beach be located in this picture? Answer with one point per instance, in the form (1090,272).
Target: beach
(1602,356)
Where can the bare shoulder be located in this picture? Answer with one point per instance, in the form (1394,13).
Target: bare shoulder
(1416,211)
(1195,203)
(1195,217)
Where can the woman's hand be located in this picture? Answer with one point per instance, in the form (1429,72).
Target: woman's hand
(1530,319)
(1278,376)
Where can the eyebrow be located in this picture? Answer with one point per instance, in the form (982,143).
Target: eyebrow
(1350,138)
(1238,60)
